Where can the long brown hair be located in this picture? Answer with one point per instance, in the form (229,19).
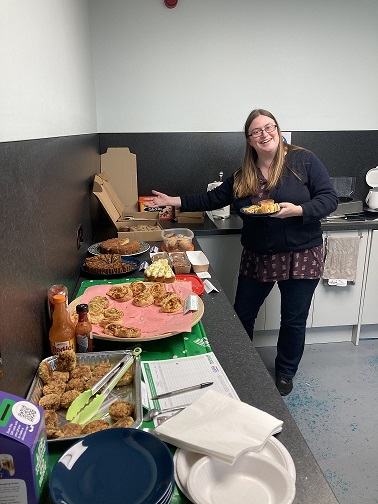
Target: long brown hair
(246,178)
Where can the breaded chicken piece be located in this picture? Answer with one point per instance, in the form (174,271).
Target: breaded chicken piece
(53,433)
(51,418)
(68,397)
(124,422)
(45,371)
(81,371)
(61,376)
(120,409)
(54,387)
(76,384)
(71,429)
(126,379)
(50,402)
(66,360)
(95,426)
(101,369)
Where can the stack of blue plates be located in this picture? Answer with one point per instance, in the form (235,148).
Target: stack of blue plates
(121,466)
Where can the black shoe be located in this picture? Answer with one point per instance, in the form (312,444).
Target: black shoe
(284,385)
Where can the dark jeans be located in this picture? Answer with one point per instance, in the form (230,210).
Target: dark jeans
(296,296)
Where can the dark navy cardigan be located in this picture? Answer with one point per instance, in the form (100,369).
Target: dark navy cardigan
(265,235)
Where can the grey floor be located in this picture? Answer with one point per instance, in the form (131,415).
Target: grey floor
(335,404)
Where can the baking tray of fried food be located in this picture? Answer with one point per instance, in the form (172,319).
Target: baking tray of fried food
(96,361)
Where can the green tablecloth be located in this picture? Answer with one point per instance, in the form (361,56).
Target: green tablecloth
(177,346)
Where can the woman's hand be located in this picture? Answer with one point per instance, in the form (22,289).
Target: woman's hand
(160,199)
(288,210)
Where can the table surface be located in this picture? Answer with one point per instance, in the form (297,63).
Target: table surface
(254,385)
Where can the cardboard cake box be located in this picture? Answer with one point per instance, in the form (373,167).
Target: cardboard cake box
(118,169)
(24,461)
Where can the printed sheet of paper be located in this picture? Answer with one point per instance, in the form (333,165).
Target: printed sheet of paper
(163,376)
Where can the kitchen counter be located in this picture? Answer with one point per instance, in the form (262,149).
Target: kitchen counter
(254,385)
(234,224)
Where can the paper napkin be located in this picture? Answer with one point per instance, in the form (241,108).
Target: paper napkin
(219,426)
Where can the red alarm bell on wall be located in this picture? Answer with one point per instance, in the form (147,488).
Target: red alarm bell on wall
(170,3)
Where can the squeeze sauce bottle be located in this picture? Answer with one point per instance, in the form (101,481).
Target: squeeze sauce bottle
(83,330)
(62,331)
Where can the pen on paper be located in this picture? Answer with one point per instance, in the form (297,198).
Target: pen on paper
(182,390)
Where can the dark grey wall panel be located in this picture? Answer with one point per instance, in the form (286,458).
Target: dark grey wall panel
(180,162)
(45,194)
(345,153)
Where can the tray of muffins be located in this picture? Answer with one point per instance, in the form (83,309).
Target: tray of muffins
(60,379)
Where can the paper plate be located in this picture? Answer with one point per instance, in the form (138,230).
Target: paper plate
(253,477)
(114,465)
(184,461)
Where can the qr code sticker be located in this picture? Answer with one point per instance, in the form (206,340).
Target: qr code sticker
(26,413)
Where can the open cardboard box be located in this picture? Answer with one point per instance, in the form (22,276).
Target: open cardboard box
(118,169)
(121,166)
(121,217)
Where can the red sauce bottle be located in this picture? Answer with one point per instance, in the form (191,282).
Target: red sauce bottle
(83,330)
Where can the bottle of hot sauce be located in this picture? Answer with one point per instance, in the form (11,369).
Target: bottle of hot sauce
(62,331)
(83,330)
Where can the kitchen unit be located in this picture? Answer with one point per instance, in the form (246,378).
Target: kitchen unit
(368,318)
(337,313)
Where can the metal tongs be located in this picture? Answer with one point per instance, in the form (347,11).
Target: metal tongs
(80,411)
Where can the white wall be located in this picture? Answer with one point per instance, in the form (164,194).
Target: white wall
(205,64)
(46,72)
(201,66)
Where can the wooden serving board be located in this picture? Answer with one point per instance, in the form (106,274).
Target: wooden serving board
(196,317)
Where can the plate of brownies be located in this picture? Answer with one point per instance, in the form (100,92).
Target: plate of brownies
(108,266)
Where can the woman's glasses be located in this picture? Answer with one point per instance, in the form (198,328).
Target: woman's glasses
(269,128)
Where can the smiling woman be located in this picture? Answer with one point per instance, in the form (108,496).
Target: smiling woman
(286,246)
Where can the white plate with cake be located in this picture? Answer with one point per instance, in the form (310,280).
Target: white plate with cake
(122,247)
